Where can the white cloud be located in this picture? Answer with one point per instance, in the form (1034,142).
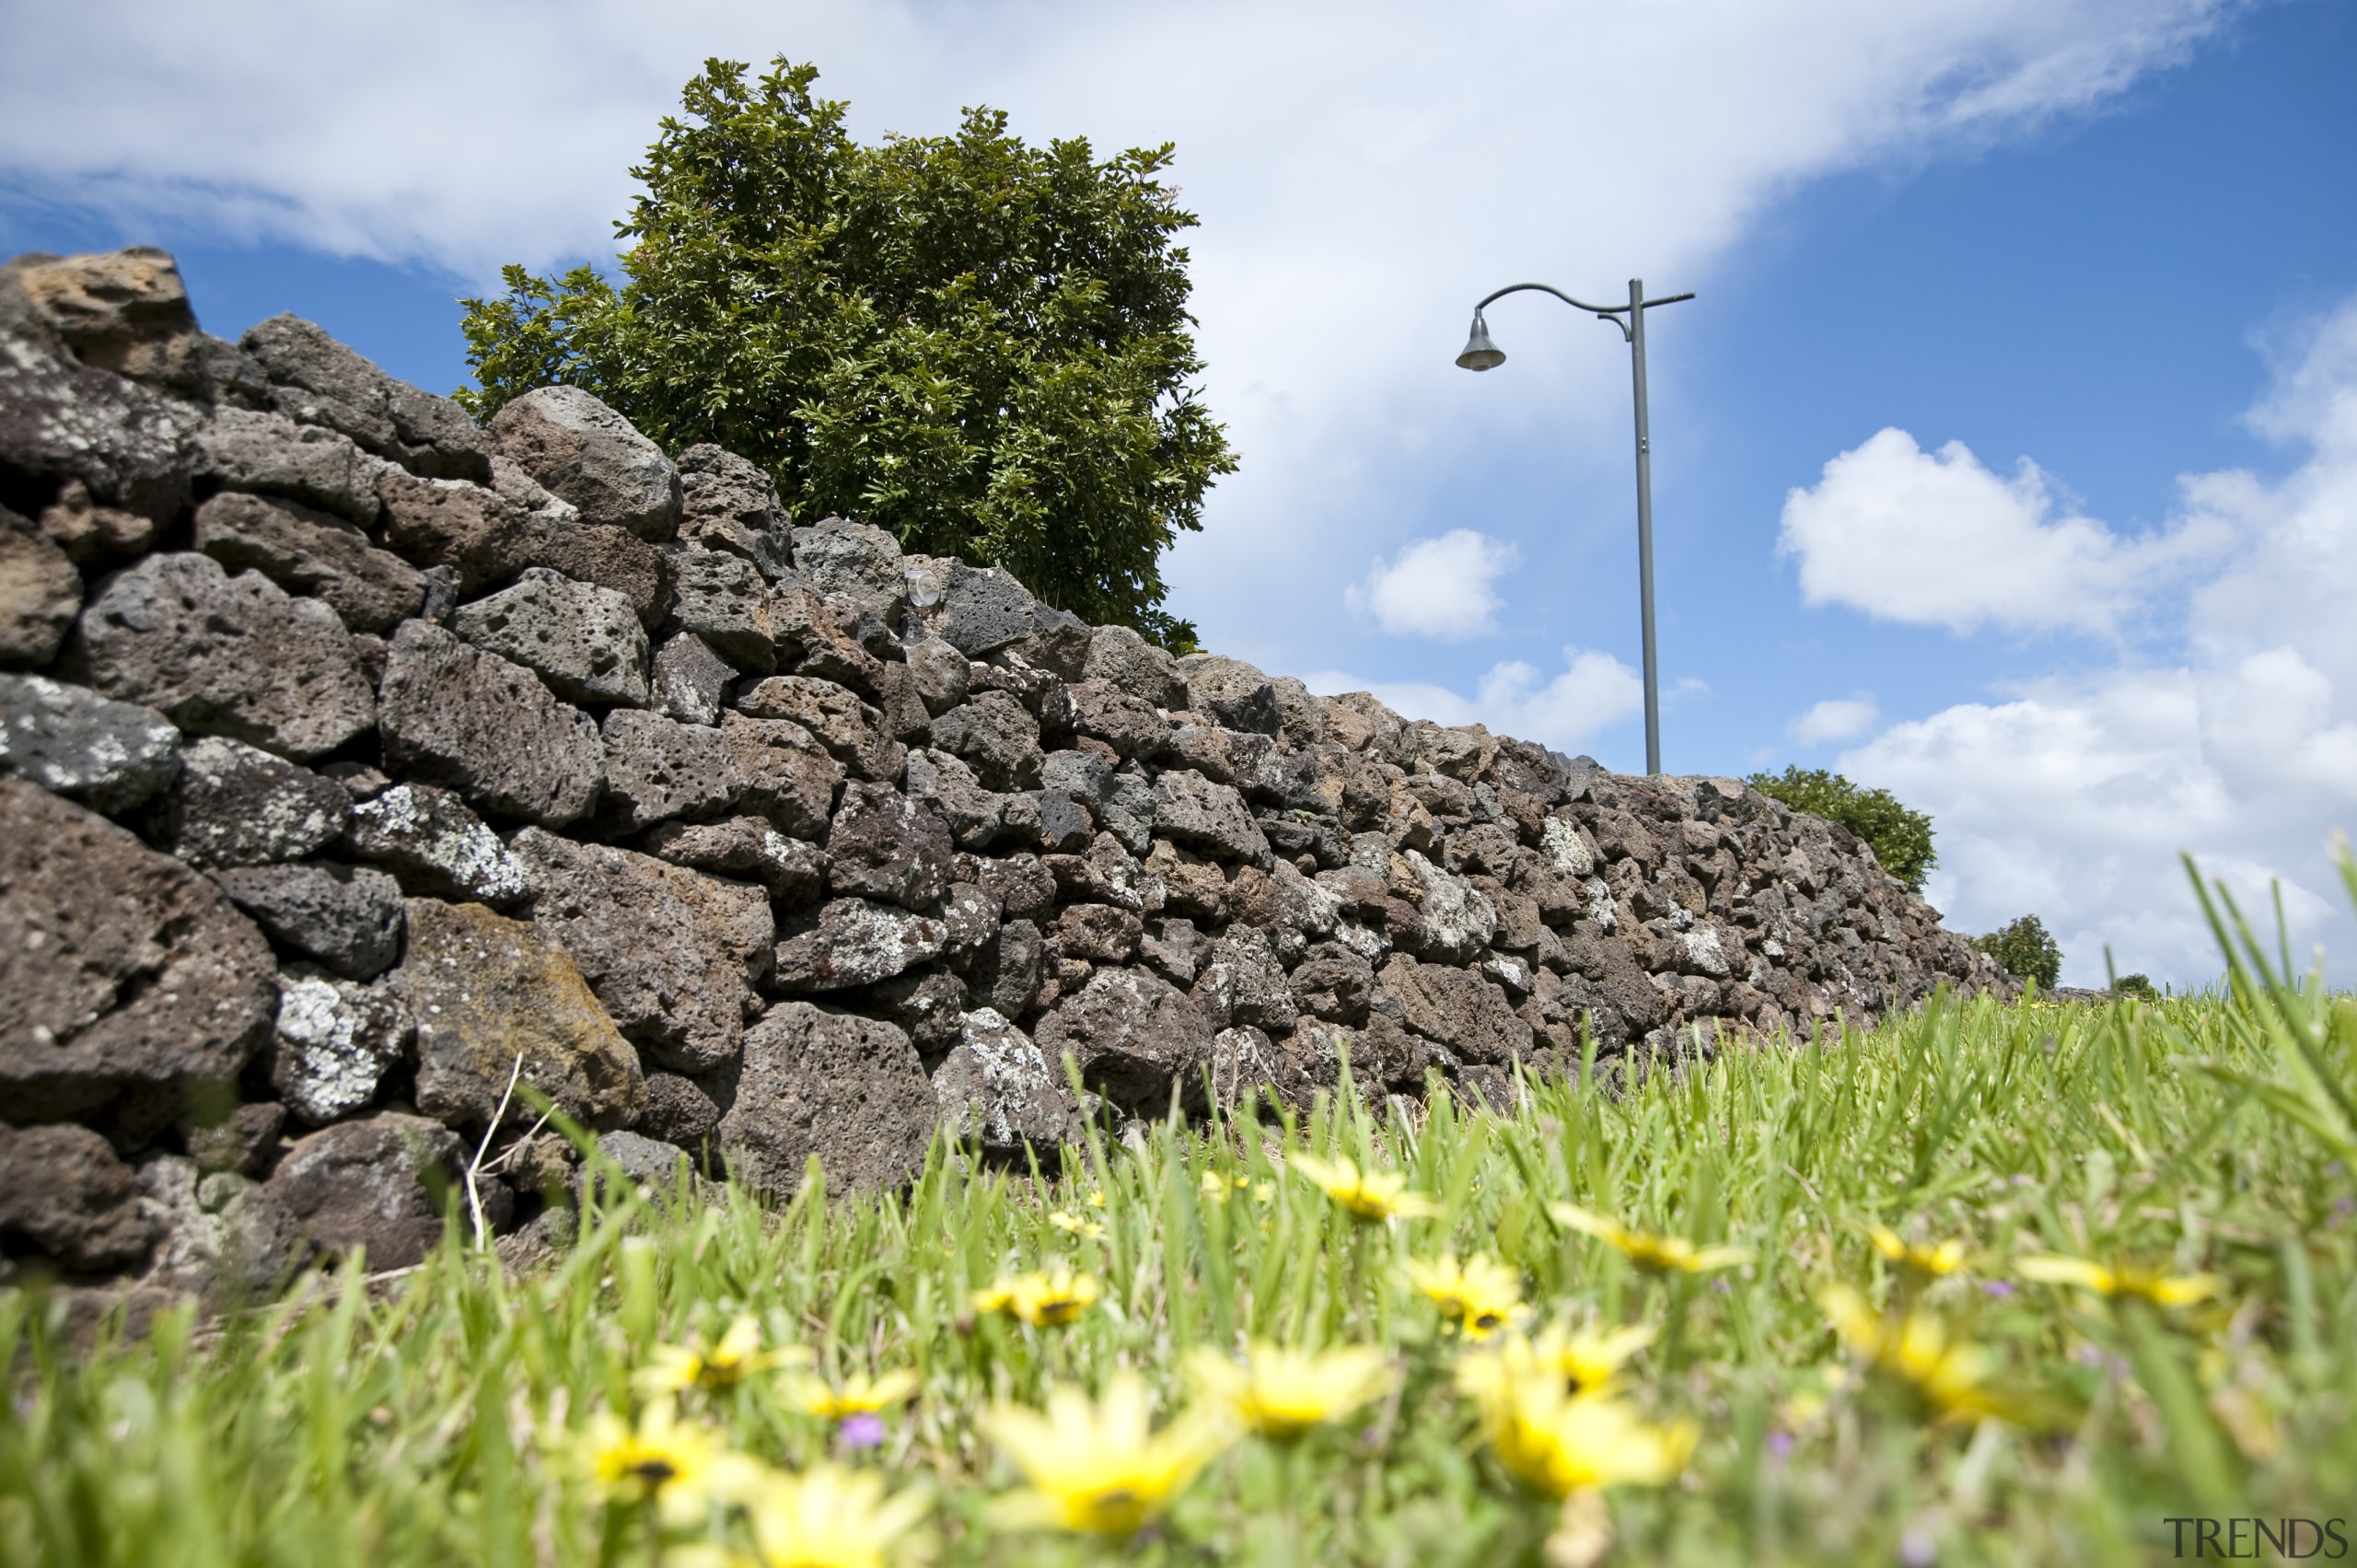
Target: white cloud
(1594,692)
(1836,718)
(1934,539)
(2074,799)
(1363,170)
(1436,587)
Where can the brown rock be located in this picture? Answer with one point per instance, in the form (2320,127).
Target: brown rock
(310,552)
(486,990)
(63,1190)
(884,845)
(1458,1008)
(852,731)
(40,594)
(1136,1037)
(477,723)
(786,775)
(376,1187)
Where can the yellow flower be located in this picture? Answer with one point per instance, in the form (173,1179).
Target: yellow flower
(1099,1468)
(1282,1393)
(677,1467)
(1480,1297)
(1654,1254)
(1369,1196)
(1913,1348)
(738,1355)
(857,1395)
(2051,1268)
(1096,1199)
(1213,1187)
(1582,1361)
(831,1517)
(1072,1224)
(1557,1444)
(1935,1261)
(1046,1299)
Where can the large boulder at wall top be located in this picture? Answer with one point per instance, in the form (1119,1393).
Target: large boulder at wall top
(847,1089)
(318,381)
(156,992)
(486,991)
(227,655)
(486,727)
(586,454)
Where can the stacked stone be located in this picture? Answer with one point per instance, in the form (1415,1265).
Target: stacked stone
(358,764)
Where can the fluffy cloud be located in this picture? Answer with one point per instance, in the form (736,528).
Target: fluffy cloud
(1934,539)
(1836,718)
(1594,692)
(1436,587)
(2074,799)
(1335,151)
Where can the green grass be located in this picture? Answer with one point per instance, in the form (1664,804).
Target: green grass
(435,1421)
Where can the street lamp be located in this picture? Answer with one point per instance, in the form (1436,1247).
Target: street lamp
(1481,354)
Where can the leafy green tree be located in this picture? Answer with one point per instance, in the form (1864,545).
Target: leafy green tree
(2027,951)
(981,346)
(2139,986)
(1902,839)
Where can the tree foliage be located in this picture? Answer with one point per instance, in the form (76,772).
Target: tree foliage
(979,345)
(2028,952)
(1902,839)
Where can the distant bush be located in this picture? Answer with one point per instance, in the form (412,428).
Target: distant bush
(2136,985)
(2028,952)
(1902,839)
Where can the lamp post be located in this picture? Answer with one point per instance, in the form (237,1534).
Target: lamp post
(1481,354)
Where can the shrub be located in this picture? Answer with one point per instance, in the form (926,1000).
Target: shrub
(1900,838)
(2028,952)
(977,343)
(2137,985)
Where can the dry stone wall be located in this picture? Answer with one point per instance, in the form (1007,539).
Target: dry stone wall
(355,760)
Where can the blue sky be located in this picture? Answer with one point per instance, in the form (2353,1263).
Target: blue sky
(2107,238)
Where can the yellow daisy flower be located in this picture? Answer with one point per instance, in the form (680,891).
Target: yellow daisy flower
(2160,1290)
(1369,1196)
(1557,1445)
(1099,1469)
(1934,1263)
(661,1460)
(1913,1348)
(829,1516)
(1583,1362)
(674,1369)
(856,1395)
(1050,1298)
(1654,1254)
(1479,1296)
(1072,1224)
(1282,1393)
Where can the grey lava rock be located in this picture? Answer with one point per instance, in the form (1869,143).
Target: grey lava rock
(854,942)
(884,845)
(484,727)
(435,846)
(334,1042)
(1232,693)
(678,1111)
(473,533)
(998,1089)
(729,503)
(848,1090)
(792,869)
(375,1186)
(227,1239)
(305,552)
(160,989)
(981,610)
(687,682)
(245,1141)
(1192,811)
(1122,659)
(63,1190)
(673,954)
(1458,1008)
(996,737)
(110,755)
(852,731)
(486,991)
(590,456)
(942,674)
(787,776)
(855,562)
(725,600)
(227,655)
(1136,1037)
(349,918)
(242,450)
(585,642)
(238,806)
(657,769)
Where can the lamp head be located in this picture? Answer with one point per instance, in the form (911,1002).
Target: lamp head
(1481,354)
